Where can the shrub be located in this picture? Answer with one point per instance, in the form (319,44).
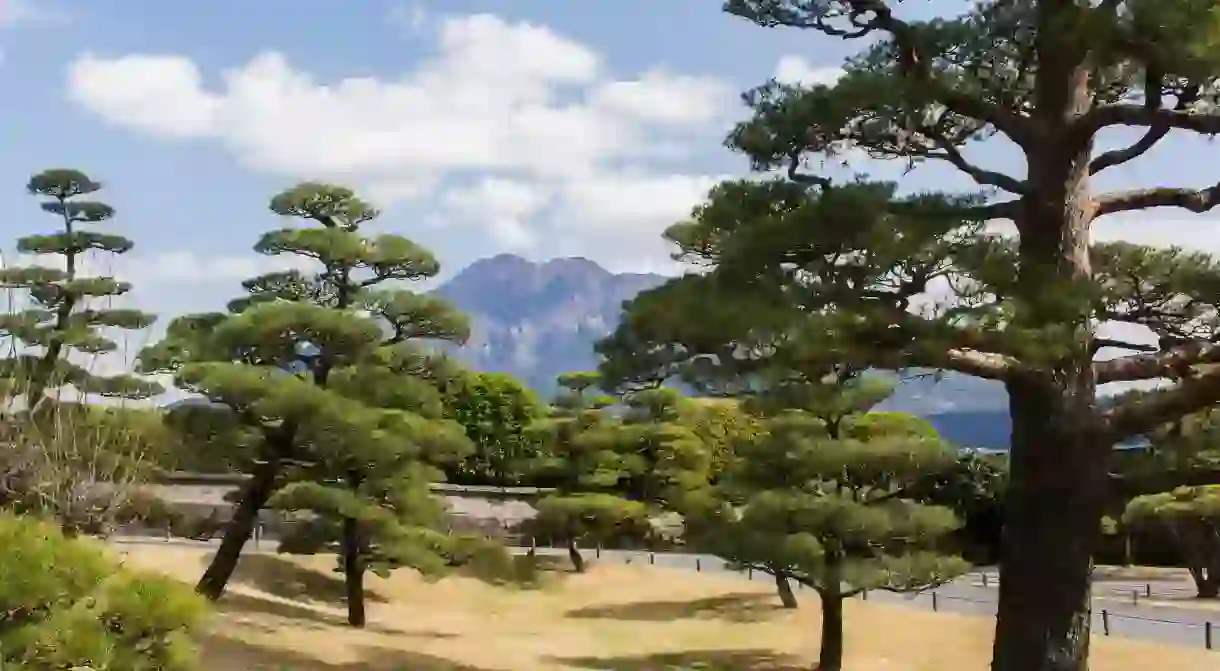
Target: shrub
(66,604)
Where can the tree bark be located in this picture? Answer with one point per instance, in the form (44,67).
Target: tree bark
(353,561)
(830,650)
(578,561)
(353,572)
(239,529)
(1058,457)
(786,597)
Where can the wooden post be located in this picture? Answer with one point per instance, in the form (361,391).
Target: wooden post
(1207,634)
(698,565)
(935,608)
(1105,622)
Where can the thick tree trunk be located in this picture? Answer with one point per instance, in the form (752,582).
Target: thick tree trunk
(786,597)
(1052,528)
(830,651)
(578,561)
(1059,459)
(239,529)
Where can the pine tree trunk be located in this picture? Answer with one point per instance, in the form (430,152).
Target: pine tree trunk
(353,561)
(786,597)
(830,651)
(1059,462)
(239,529)
(1052,529)
(578,562)
(353,572)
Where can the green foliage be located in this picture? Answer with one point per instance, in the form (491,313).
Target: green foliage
(817,498)
(1192,516)
(69,605)
(326,390)
(62,310)
(496,411)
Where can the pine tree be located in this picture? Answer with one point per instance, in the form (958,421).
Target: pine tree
(1045,83)
(68,309)
(327,366)
(72,461)
(822,498)
(1191,515)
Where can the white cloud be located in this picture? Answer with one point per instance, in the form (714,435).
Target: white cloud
(795,70)
(497,103)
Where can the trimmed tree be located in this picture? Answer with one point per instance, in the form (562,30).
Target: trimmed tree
(1051,78)
(76,463)
(580,462)
(327,369)
(1191,515)
(822,499)
(65,310)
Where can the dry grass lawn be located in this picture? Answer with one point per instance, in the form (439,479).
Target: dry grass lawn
(285,613)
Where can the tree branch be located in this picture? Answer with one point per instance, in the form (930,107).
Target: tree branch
(1099,343)
(1195,200)
(1127,114)
(1175,363)
(1154,85)
(1142,413)
(979,364)
(981,176)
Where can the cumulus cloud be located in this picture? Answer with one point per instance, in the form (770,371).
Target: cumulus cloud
(508,107)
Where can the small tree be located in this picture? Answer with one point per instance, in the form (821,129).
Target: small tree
(325,367)
(819,499)
(76,463)
(69,605)
(496,411)
(1192,517)
(580,462)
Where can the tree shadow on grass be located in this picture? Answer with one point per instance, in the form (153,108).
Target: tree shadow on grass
(737,607)
(282,577)
(226,653)
(693,660)
(303,616)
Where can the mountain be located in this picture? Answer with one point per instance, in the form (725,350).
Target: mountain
(537,320)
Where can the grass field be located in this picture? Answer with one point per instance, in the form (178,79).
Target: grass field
(286,613)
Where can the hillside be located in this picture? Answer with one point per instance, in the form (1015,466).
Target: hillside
(537,320)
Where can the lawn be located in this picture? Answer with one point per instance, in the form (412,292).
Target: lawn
(286,613)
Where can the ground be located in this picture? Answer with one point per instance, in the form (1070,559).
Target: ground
(286,613)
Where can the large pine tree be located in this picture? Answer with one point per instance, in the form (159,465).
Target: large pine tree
(1050,81)
(327,365)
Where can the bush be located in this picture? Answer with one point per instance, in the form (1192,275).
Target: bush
(67,604)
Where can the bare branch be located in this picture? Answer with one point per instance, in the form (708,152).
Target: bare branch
(979,364)
(1175,363)
(981,176)
(1154,84)
(1128,114)
(1099,343)
(1142,413)
(1195,200)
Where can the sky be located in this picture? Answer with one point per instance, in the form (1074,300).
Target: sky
(537,127)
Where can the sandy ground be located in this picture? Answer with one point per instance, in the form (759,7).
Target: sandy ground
(287,613)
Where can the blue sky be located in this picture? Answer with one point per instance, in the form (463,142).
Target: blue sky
(541,127)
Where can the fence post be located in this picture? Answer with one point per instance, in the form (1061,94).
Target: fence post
(750,573)
(1207,634)
(1105,622)
(1148,590)
(598,552)
(1135,597)
(864,595)
(984,578)
(698,565)
(934,606)
(652,558)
